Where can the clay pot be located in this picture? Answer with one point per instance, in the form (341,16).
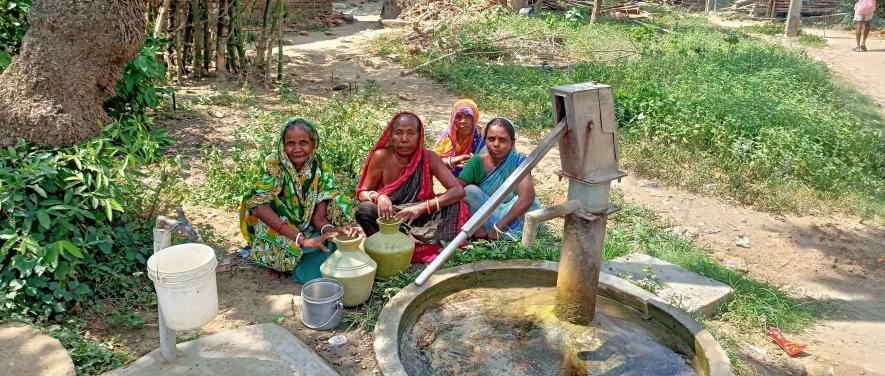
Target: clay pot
(390,248)
(353,268)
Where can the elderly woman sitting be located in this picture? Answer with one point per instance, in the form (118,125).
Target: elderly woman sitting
(295,207)
(397,182)
(484,174)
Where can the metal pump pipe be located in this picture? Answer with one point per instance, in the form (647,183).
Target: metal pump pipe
(481,215)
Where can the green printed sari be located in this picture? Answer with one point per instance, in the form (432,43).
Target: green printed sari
(293,195)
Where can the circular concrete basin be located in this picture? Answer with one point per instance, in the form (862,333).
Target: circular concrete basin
(459,322)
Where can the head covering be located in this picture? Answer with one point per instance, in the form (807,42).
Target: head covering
(419,160)
(293,194)
(448,144)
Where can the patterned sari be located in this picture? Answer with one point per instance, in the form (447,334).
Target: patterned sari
(482,186)
(448,145)
(293,196)
(415,185)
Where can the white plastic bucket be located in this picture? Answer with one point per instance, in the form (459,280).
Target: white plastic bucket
(321,303)
(184,278)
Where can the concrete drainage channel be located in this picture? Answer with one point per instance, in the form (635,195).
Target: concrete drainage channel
(682,334)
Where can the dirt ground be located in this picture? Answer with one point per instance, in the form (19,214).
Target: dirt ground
(831,258)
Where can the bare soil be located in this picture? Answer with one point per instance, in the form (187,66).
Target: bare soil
(831,258)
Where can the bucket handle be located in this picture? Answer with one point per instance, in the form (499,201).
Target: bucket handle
(338,307)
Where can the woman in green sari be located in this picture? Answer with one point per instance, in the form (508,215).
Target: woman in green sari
(295,207)
(484,174)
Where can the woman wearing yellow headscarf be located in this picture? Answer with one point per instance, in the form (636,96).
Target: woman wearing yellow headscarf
(462,139)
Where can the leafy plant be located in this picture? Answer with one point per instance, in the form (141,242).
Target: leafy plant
(60,217)
(137,91)
(649,282)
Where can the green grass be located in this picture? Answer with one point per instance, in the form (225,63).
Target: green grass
(714,110)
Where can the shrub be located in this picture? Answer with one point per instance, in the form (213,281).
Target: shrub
(60,216)
(13,25)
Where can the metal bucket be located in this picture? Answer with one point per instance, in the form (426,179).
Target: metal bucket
(321,303)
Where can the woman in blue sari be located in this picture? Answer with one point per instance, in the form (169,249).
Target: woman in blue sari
(486,171)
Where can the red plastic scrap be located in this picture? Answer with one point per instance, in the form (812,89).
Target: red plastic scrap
(791,348)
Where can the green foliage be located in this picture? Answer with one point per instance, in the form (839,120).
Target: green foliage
(137,90)
(91,357)
(13,25)
(348,129)
(649,282)
(715,110)
(60,216)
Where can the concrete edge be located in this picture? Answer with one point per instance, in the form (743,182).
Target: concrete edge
(391,325)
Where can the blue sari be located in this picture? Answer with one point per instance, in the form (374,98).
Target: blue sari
(480,188)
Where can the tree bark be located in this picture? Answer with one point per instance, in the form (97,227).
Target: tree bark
(207,36)
(197,17)
(280,40)
(597,5)
(71,58)
(162,16)
(221,41)
(180,24)
(261,48)
(793,15)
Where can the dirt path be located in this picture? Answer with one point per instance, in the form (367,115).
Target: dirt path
(833,259)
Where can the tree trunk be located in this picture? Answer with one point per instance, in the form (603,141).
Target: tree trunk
(207,36)
(597,5)
(261,48)
(280,40)
(162,15)
(239,42)
(197,17)
(221,41)
(180,24)
(794,13)
(70,60)
(273,35)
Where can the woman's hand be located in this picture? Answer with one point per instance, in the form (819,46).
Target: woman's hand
(385,206)
(411,213)
(317,241)
(345,230)
(461,160)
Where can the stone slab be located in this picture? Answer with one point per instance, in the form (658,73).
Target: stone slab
(678,286)
(25,351)
(264,349)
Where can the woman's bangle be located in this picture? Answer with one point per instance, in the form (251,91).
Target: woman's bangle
(427,206)
(279,227)
(372,198)
(298,239)
(450,162)
(377,196)
(495,226)
(324,227)
(437,203)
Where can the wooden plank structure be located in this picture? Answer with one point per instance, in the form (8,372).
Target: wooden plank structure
(779,8)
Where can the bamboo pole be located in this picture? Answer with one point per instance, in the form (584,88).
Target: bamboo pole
(221,41)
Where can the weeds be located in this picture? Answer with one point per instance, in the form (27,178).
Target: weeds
(649,282)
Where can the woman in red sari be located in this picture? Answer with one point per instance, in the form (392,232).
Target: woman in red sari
(397,182)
